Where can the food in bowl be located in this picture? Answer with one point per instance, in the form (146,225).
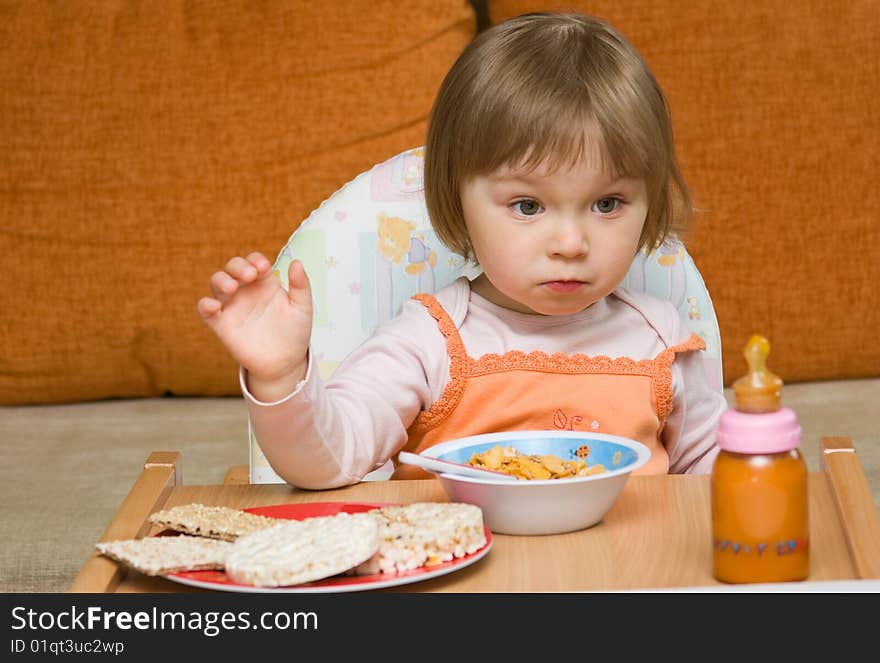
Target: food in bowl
(534,466)
(542,506)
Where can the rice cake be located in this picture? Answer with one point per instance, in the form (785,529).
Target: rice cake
(303,550)
(424,534)
(159,555)
(215,522)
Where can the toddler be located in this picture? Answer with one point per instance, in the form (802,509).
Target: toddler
(550,163)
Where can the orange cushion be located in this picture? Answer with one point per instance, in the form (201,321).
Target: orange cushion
(775,113)
(141,147)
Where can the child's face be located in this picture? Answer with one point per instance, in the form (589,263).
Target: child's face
(552,243)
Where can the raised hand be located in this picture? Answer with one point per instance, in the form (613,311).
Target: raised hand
(264,327)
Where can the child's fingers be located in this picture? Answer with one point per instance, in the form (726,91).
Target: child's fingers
(223,285)
(260,262)
(300,289)
(241,269)
(208,307)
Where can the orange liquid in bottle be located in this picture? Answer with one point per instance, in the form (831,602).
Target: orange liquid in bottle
(760,519)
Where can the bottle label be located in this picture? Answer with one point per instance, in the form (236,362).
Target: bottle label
(775,548)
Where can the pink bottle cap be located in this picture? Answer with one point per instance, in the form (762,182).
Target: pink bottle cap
(764,433)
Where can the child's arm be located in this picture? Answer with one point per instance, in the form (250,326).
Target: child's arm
(265,328)
(330,434)
(689,434)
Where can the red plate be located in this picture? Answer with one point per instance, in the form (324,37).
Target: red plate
(217,580)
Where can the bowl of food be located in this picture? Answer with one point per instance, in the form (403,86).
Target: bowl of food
(566,480)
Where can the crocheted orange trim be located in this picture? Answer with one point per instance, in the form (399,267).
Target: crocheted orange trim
(662,376)
(457,368)
(558,362)
(462,366)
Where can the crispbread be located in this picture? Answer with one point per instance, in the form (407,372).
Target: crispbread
(215,522)
(424,534)
(158,555)
(303,550)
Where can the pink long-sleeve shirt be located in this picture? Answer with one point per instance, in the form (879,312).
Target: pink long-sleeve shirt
(331,433)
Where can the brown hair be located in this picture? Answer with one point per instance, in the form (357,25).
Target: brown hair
(547,88)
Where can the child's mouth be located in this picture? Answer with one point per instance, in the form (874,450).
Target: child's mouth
(563,286)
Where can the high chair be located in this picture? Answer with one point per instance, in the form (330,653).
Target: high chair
(369,247)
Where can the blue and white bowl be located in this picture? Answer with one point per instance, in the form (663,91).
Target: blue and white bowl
(549,506)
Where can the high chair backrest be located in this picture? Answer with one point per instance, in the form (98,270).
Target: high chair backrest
(370,246)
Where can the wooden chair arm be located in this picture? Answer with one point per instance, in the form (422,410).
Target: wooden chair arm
(855,505)
(237,475)
(160,474)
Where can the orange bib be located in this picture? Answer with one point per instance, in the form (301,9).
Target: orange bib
(537,391)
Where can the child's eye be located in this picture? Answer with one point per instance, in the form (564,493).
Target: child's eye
(606,205)
(526,207)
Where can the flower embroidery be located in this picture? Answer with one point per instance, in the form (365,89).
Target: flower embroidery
(562,422)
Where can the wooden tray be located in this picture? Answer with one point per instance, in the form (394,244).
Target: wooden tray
(657,535)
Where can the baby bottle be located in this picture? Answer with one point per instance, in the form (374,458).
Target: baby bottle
(759,483)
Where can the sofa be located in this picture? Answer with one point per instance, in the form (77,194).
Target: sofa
(142,144)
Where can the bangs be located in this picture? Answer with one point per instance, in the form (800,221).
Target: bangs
(557,142)
(561,132)
(583,99)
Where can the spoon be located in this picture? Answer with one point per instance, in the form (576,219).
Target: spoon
(436,465)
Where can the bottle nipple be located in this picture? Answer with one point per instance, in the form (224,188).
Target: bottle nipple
(760,390)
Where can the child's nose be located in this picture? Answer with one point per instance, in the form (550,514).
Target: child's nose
(569,239)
